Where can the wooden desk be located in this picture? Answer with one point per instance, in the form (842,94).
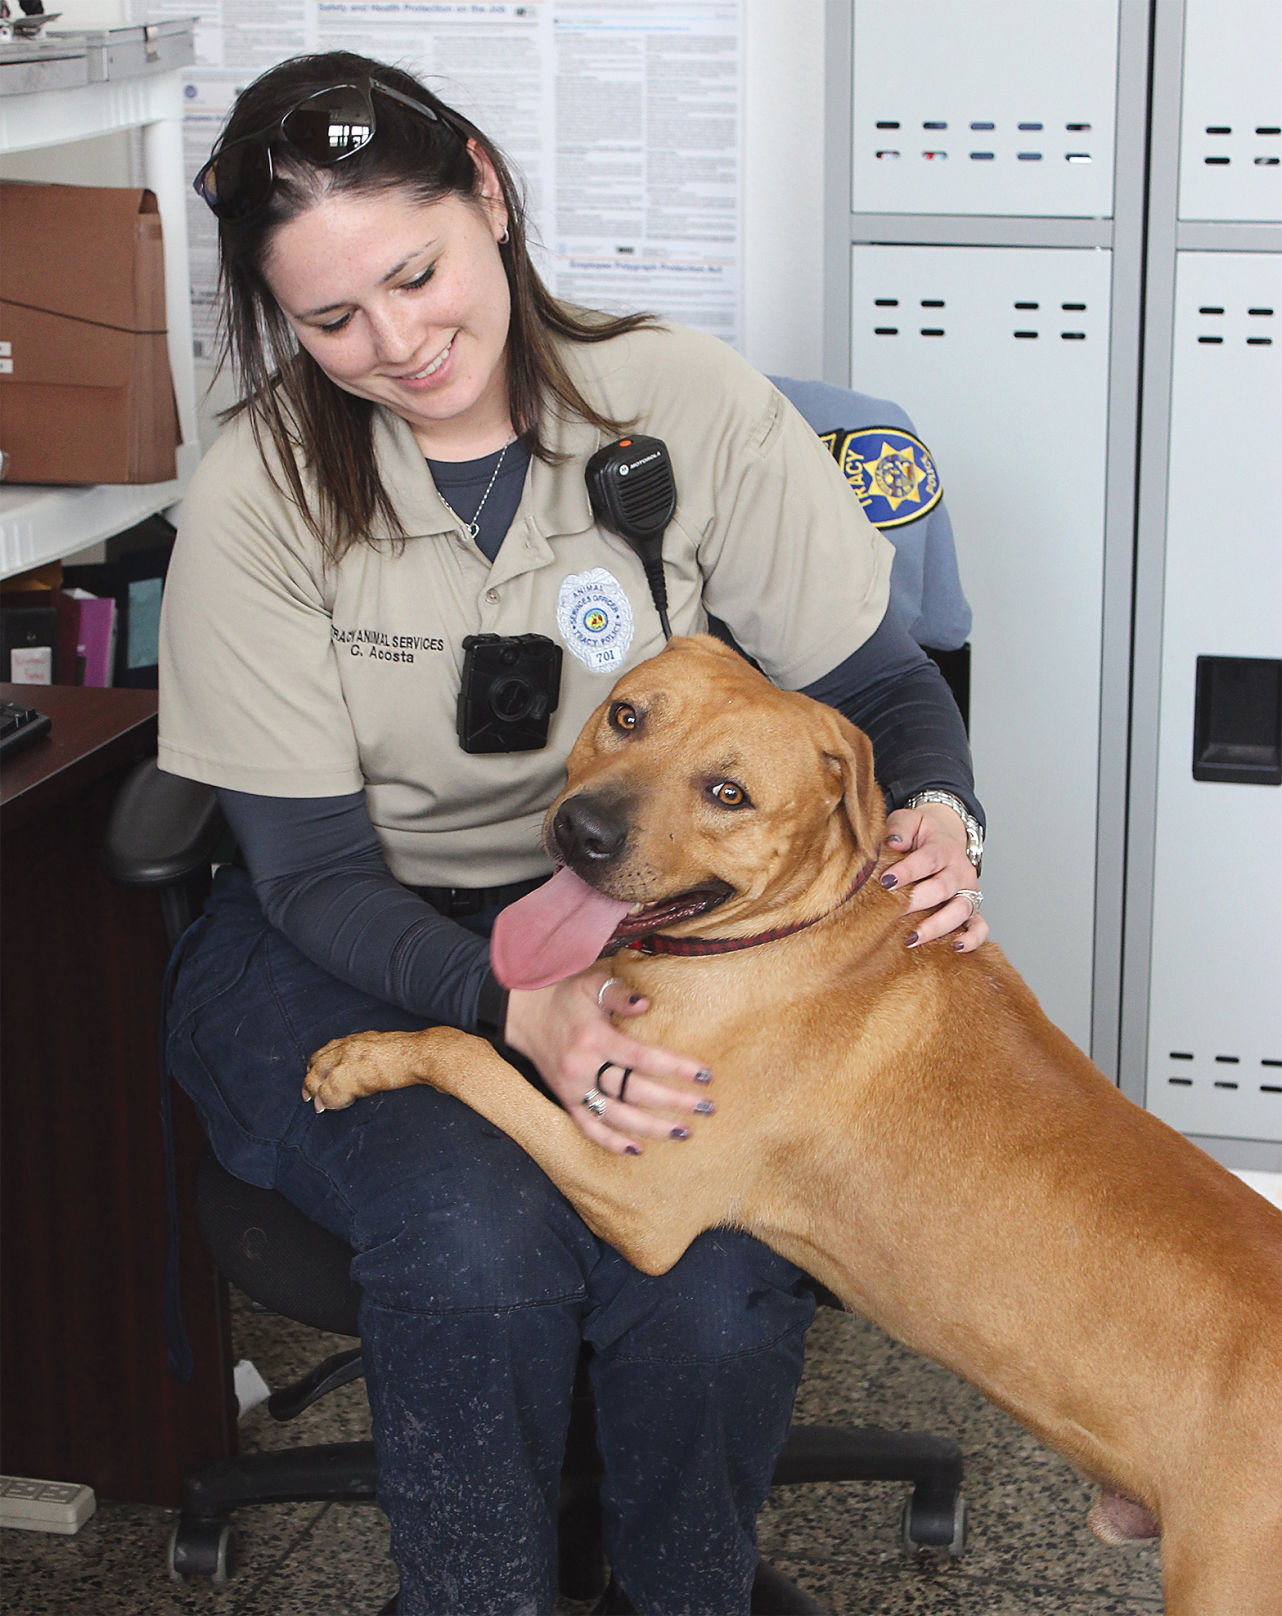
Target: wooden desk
(85,1393)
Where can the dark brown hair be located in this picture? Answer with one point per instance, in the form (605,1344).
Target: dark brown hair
(286,395)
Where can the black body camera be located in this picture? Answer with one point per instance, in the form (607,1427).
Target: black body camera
(511,686)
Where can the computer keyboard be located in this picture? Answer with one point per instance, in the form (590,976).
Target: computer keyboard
(19,726)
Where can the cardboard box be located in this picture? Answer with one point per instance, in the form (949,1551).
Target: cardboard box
(86,394)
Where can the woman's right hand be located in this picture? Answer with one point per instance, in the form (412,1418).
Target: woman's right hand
(567,1031)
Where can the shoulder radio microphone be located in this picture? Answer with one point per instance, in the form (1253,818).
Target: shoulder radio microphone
(634,493)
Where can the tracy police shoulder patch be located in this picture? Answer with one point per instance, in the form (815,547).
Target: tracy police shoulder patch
(890,470)
(594,616)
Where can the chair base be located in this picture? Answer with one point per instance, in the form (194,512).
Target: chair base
(200,1544)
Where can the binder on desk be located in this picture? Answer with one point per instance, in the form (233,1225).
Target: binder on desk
(135,581)
(86,638)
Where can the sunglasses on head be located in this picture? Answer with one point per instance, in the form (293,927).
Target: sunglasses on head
(324,128)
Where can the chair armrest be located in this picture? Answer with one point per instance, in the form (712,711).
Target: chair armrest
(163,829)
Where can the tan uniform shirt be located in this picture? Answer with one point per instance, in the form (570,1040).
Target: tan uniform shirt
(282,677)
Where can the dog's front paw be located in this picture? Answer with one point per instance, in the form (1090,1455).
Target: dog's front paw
(346,1069)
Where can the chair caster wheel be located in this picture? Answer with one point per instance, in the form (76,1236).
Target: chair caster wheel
(935,1521)
(200,1549)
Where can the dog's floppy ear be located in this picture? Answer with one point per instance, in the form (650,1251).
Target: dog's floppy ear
(848,752)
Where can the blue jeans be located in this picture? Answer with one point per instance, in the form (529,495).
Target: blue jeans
(479,1283)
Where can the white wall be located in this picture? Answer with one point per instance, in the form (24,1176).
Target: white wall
(783,186)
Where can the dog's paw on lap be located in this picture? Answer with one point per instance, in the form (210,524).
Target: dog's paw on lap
(347,1069)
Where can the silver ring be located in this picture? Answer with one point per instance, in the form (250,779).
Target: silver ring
(595,1102)
(973,898)
(609,982)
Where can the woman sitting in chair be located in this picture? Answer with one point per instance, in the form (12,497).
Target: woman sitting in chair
(405,470)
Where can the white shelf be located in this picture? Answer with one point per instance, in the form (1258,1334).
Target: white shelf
(38,525)
(57,117)
(47,524)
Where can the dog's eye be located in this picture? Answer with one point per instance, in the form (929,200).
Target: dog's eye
(730,795)
(622,716)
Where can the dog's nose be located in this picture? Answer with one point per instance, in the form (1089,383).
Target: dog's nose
(588,831)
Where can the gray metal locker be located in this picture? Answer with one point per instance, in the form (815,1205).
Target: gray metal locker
(1202,1013)
(983,185)
(1001,356)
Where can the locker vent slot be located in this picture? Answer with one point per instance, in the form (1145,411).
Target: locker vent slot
(1219,158)
(886,302)
(1271,1074)
(886,331)
(1072,336)
(998,155)
(932,302)
(1027,334)
(932,331)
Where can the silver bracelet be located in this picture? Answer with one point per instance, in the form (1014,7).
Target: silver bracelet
(974,830)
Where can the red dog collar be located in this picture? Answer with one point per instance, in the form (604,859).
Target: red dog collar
(657,943)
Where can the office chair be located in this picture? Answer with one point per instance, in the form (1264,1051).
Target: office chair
(163,833)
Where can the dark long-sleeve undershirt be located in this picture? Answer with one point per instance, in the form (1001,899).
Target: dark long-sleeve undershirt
(319,871)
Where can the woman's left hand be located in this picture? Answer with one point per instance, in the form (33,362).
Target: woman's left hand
(934,865)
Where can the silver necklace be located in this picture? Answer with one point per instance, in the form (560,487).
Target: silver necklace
(474,526)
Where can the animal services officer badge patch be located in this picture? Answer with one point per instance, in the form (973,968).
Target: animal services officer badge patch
(594,615)
(891,472)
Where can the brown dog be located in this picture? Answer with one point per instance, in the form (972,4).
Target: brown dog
(904,1124)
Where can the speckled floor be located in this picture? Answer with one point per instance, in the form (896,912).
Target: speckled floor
(1029,1552)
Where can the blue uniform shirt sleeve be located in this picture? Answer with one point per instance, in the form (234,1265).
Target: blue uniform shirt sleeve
(925,585)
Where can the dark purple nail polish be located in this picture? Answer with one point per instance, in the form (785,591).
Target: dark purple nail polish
(703,1077)
(913,939)
(705,1108)
(632,1150)
(680,1133)
(889,881)
(634,998)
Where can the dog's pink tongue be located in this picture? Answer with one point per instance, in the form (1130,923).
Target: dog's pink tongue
(554,931)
